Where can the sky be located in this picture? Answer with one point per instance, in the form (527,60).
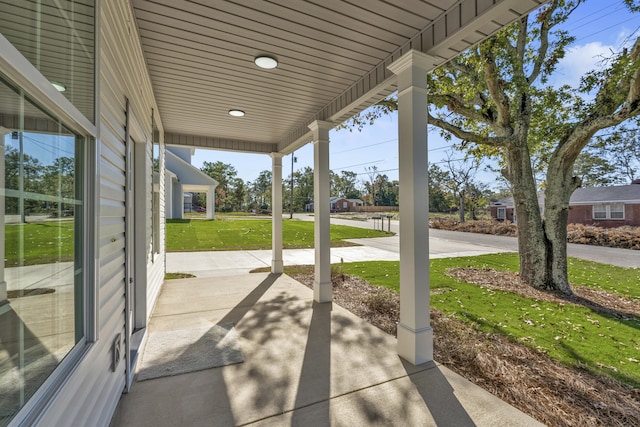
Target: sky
(600,27)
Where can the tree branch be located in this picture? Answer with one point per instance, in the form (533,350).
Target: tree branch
(633,95)
(465,135)
(544,41)
(459,106)
(492,80)
(606,113)
(520,48)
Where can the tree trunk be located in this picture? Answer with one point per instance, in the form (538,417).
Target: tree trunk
(542,245)
(532,246)
(461,207)
(560,185)
(555,226)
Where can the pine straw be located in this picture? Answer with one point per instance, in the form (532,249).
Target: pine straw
(525,378)
(627,237)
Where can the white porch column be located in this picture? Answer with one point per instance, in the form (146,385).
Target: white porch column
(415,336)
(321,187)
(211,198)
(276,213)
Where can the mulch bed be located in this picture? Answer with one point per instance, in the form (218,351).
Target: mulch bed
(527,379)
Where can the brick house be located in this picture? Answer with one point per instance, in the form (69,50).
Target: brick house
(612,206)
(338,204)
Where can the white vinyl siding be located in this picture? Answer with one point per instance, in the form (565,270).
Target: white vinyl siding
(608,211)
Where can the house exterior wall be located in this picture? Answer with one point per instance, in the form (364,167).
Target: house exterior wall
(508,213)
(338,205)
(583,214)
(90,392)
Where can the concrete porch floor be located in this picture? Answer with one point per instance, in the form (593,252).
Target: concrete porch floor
(304,364)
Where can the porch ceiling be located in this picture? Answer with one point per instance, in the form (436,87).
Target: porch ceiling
(332,58)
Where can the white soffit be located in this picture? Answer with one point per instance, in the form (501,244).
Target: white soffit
(333,57)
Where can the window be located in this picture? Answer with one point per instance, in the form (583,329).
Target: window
(42,290)
(344,205)
(155,190)
(57,37)
(608,211)
(616,211)
(502,213)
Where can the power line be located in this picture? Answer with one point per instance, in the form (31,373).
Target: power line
(618,7)
(602,16)
(397,169)
(359,164)
(607,28)
(50,149)
(386,170)
(367,146)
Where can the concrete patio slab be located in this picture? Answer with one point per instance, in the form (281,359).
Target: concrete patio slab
(305,364)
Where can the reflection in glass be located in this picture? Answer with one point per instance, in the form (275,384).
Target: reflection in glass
(57,37)
(155,190)
(41,287)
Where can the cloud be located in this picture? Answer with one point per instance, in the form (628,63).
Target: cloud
(580,60)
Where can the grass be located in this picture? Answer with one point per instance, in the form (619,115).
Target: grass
(172,276)
(573,335)
(186,235)
(44,243)
(52,241)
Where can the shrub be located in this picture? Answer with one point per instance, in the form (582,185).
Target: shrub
(626,237)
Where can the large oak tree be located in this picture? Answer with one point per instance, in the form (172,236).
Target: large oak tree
(497,99)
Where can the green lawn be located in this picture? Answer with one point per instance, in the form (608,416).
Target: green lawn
(44,243)
(571,334)
(248,234)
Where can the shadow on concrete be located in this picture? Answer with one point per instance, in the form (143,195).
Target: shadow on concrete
(304,364)
(438,395)
(316,366)
(242,308)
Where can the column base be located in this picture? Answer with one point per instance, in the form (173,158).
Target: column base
(322,292)
(415,346)
(277,266)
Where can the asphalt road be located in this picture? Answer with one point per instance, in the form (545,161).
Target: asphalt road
(444,241)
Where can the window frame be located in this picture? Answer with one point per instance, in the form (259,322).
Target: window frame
(504,213)
(20,73)
(608,210)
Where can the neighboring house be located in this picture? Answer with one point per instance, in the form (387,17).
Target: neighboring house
(338,204)
(606,206)
(504,210)
(100,88)
(613,206)
(183,179)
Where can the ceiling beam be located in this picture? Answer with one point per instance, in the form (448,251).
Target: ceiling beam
(199,141)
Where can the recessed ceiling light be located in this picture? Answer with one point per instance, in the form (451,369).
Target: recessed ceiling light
(266,62)
(59,86)
(236,113)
